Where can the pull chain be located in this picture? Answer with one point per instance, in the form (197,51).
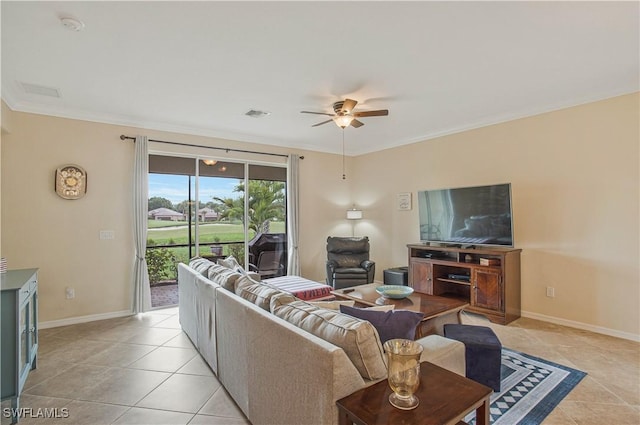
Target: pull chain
(343,174)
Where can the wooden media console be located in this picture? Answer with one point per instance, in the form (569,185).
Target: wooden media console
(487,278)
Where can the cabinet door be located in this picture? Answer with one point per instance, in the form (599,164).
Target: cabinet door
(487,289)
(421,280)
(24,360)
(33,328)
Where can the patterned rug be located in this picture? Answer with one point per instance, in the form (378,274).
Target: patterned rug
(531,389)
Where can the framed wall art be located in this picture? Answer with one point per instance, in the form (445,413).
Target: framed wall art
(404,201)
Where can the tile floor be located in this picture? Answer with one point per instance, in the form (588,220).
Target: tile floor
(133,370)
(144,370)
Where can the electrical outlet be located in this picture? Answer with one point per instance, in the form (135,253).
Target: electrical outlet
(107,234)
(70,293)
(551,292)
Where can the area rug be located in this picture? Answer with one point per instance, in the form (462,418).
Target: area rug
(530,389)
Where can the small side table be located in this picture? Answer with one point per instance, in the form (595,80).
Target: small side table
(445,399)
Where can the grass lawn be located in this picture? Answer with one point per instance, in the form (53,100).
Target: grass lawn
(176,232)
(152,224)
(163,235)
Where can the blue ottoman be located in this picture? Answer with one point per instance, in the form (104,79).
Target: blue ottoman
(483,352)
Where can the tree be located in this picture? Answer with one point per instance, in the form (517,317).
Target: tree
(266,203)
(158,202)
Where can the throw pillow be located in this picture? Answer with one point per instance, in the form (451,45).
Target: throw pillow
(358,338)
(253,275)
(389,324)
(230,262)
(381,307)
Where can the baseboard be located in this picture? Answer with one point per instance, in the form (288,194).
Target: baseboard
(83,319)
(580,325)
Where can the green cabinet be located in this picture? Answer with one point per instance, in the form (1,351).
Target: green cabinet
(18,331)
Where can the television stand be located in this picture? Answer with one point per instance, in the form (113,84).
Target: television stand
(493,284)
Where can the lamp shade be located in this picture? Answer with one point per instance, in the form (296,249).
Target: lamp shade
(354,214)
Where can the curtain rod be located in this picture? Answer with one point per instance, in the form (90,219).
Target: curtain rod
(123,137)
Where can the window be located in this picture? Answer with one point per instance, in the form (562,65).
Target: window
(197,207)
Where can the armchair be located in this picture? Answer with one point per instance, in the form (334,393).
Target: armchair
(348,262)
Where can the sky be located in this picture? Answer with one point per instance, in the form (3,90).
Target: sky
(175,188)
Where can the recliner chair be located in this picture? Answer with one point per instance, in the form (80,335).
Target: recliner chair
(348,262)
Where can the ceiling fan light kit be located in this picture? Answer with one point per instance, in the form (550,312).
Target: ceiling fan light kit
(343,121)
(344,116)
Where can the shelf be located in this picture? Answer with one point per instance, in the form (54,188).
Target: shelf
(457,282)
(454,296)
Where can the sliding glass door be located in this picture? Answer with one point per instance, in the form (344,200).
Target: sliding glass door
(198,207)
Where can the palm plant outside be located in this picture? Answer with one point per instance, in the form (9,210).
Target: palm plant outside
(266,203)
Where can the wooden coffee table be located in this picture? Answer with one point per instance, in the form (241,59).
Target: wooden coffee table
(445,399)
(437,311)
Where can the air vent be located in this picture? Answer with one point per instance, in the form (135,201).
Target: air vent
(257,114)
(40,90)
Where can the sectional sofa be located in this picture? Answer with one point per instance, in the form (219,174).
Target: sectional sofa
(284,360)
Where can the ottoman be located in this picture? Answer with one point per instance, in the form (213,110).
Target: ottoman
(483,352)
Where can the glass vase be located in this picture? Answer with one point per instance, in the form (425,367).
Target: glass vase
(403,357)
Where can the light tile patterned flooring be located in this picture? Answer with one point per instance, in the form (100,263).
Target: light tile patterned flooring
(134,370)
(144,370)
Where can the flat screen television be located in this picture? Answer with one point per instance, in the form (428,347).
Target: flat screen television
(479,215)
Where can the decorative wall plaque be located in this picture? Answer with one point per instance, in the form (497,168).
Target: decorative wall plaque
(71,181)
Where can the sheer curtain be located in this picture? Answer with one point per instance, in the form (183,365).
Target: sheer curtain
(293,263)
(141,289)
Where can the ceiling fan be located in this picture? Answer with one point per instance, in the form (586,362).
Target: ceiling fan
(344,115)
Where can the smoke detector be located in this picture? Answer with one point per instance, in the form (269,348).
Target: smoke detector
(72,24)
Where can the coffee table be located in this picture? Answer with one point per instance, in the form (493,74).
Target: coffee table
(437,311)
(445,399)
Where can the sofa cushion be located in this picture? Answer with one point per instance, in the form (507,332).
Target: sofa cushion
(258,293)
(358,338)
(224,277)
(201,265)
(214,269)
(243,281)
(389,324)
(281,299)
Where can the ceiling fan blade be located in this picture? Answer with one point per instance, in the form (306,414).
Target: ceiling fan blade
(378,113)
(355,123)
(320,123)
(317,113)
(348,106)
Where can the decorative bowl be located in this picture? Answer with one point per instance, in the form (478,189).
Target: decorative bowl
(394,291)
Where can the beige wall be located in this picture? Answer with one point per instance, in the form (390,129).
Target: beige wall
(61,237)
(575,184)
(574,176)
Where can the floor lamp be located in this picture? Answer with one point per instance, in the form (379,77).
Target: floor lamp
(354,214)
